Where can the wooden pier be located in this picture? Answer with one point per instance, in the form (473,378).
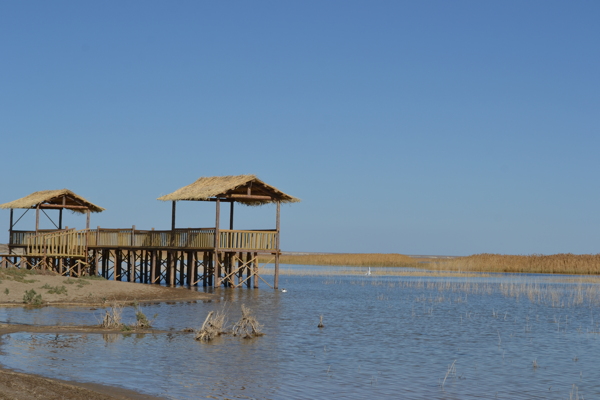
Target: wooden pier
(189,257)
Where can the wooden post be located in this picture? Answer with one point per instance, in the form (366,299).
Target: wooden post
(276,283)
(173,210)
(60,212)
(171,268)
(11,228)
(216,268)
(231,215)
(87,224)
(37,218)
(117,274)
(248,269)
(255,270)
(206,266)
(153,266)
(96,262)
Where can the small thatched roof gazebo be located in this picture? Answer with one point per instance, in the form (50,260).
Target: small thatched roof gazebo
(53,200)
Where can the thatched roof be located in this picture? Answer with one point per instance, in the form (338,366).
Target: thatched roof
(54,199)
(245,189)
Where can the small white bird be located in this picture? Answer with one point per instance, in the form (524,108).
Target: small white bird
(283,290)
(368,272)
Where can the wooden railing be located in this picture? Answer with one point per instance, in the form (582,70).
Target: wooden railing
(17,238)
(73,242)
(200,238)
(63,243)
(248,240)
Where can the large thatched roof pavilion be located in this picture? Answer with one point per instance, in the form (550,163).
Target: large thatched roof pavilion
(53,200)
(244,189)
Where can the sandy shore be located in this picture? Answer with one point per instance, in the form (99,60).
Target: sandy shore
(60,291)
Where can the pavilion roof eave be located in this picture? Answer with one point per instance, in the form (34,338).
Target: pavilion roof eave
(54,199)
(244,189)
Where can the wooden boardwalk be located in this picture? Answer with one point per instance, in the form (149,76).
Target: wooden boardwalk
(211,256)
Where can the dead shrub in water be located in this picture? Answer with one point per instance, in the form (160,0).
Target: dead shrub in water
(112,318)
(247,327)
(212,326)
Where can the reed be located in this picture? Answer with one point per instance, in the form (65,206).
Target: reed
(572,264)
(349,259)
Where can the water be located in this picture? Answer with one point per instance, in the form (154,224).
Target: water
(385,337)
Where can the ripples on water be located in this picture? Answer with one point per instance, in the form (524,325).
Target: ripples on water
(384,337)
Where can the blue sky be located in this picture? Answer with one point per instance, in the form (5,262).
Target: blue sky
(427,127)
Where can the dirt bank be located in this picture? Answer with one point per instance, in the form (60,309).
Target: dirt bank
(53,289)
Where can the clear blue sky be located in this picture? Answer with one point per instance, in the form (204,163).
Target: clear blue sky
(416,127)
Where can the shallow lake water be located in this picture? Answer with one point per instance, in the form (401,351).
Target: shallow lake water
(385,337)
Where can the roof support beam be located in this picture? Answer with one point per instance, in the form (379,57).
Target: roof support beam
(58,206)
(173,211)
(250,197)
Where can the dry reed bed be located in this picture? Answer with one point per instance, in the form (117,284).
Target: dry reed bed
(349,259)
(571,264)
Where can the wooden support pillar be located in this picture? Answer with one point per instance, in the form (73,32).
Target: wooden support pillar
(60,212)
(117,269)
(231,215)
(205,264)
(37,218)
(87,222)
(216,268)
(248,269)
(210,258)
(181,267)
(153,268)
(276,282)
(191,275)
(173,211)
(171,268)
(131,265)
(255,270)
(11,227)
(96,269)
(104,274)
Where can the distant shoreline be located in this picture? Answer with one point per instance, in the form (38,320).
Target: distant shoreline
(569,264)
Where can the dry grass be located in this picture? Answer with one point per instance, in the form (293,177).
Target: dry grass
(349,259)
(212,326)
(112,318)
(583,264)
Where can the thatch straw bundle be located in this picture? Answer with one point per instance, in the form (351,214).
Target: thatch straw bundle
(207,188)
